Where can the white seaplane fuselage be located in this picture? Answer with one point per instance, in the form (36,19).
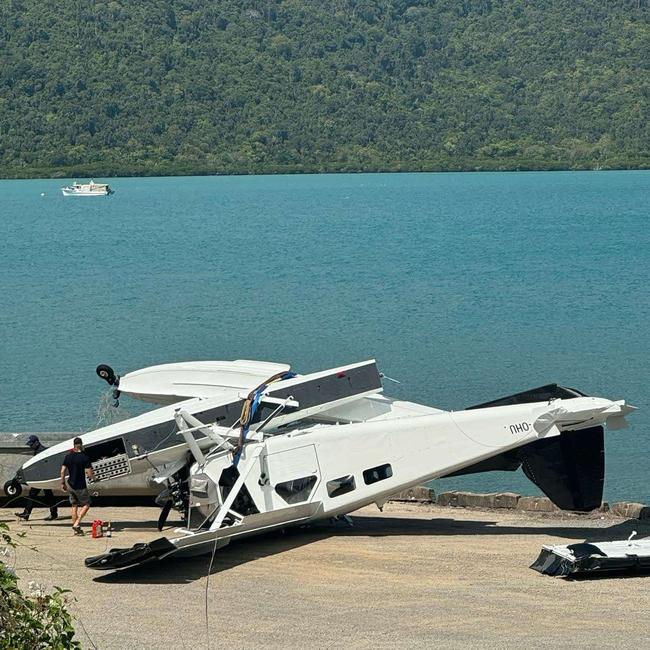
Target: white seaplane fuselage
(331,444)
(402,453)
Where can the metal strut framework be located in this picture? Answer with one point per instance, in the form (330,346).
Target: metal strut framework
(183,419)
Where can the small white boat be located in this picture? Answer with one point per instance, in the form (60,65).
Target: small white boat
(87,189)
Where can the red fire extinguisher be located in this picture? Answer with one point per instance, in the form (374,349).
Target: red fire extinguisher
(97,528)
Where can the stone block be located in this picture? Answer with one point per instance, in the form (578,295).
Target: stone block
(506,500)
(477,500)
(536,504)
(630,510)
(448,499)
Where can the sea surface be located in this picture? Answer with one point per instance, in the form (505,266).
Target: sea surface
(464,286)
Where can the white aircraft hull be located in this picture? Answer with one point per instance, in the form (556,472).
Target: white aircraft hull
(416,450)
(305,448)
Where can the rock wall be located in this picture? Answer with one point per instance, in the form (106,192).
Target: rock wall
(512,501)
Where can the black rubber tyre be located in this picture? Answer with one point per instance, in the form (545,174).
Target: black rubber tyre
(106,373)
(13,488)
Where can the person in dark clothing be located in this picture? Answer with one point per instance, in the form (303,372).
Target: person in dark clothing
(77,465)
(37,447)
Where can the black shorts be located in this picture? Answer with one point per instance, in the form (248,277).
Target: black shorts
(79,497)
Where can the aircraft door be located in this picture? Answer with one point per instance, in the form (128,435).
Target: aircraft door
(292,477)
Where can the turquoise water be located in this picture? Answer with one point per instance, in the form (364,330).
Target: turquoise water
(465,287)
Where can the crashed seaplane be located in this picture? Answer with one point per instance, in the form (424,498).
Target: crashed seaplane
(244,447)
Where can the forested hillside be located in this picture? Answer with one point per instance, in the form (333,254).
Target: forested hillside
(238,86)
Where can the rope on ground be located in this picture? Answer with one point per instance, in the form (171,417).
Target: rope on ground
(83,627)
(207,585)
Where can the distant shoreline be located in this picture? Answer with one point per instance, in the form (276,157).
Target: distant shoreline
(109,171)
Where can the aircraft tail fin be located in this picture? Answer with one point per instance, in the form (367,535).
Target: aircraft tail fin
(569,468)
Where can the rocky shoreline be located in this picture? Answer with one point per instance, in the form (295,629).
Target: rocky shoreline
(513,501)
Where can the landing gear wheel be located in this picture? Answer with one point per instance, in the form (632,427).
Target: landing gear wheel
(13,488)
(107,374)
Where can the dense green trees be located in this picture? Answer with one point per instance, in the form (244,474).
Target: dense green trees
(198,86)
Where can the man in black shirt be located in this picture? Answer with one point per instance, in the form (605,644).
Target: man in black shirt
(37,447)
(77,464)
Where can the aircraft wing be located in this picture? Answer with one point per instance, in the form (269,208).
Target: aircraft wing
(152,439)
(174,382)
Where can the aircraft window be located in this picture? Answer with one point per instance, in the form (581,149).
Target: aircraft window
(297,490)
(375,474)
(339,486)
(106,449)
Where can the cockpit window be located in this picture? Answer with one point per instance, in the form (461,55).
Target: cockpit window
(297,490)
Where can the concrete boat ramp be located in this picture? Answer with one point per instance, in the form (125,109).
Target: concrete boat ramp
(414,576)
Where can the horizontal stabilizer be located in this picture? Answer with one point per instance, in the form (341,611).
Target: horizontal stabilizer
(541,394)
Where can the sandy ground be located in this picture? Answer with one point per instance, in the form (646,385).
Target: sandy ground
(414,576)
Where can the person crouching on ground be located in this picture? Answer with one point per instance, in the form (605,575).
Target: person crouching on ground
(37,447)
(77,464)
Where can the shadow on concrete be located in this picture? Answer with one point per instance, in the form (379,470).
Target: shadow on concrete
(186,570)
(64,519)
(588,577)
(147,525)
(62,501)
(390,526)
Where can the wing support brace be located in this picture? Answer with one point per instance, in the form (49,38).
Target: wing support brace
(187,424)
